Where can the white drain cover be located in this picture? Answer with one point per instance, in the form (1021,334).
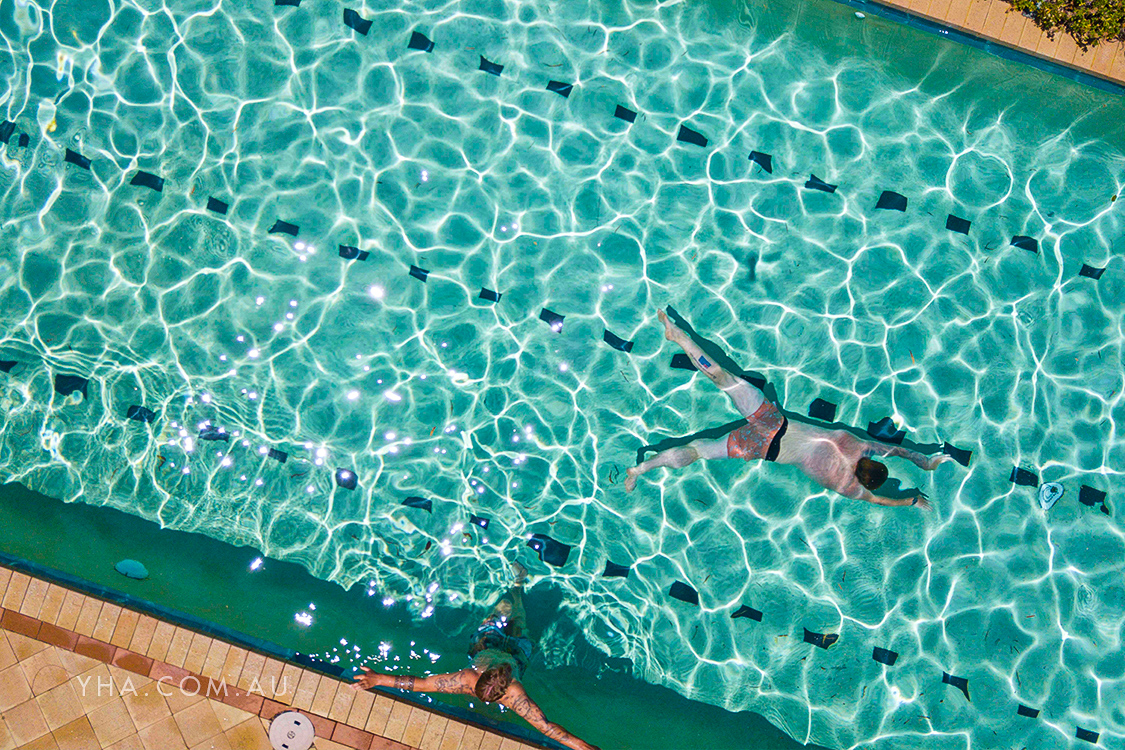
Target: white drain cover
(291,731)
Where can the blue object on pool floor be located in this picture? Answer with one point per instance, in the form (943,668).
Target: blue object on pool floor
(77,159)
(694,137)
(419,273)
(628,115)
(884,656)
(684,593)
(218,206)
(886,431)
(140,414)
(1090,272)
(821,409)
(960,683)
(552,319)
(550,551)
(1024,477)
(815,183)
(617,342)
(560,88)
(490,67)
(823,640)
(68,384)
(613,570)
(960,455)
(1026,243)
(355,21)
(489,295)
(748,612)
(1049,494)
(279,456)
(353,253)
(420,41)
(1027,711)
(148,180)
(132,569)
(284,227)
(957,224)
(892,201)
(765,161)
(421,503)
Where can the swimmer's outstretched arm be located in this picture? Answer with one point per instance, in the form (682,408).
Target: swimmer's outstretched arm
(929,463)
(918,498)
(517,700)
(451,682)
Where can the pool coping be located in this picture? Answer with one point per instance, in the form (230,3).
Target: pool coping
(976,38)
(23,619)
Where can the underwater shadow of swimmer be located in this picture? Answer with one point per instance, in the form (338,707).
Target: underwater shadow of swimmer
(891,488)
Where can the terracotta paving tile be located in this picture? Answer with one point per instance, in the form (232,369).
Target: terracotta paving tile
(14,687)
(60,706)
(71,608)
(7,656)
(1117,67)
(451,740)
(994,19)
(76,664)
(44,670)
(249,735)
(126,624)
(46,742)
(509,744)
(251,670)
(218,742)
(956,11)
(14,622)
(142,634)
(323,725)
(306,691)
(197,654)
(161,641)
(33,600)
(362,702)
(88,617)
(490,741)
(56,636)
(94,649)
(472,738)
(214,660)
(1084,60)
(94,688)
(167,673)
(396,722)
(107,621)
(286,685)
(916,6)
(325,695)
(163,735)
(382,743)
(5,577)
(23,647)
(1103,58)
(17,587)
(250,702)
(342,704)
(977,15)
(133,662)
(230,716)
(177,647)
(132,742)
(25,722)
(435,730)
(197,723)
(415,726)
(1047,46)
(380,714)
(111,722)
(77,735)
(232,665)
(270,676)
(352,737)
(1014,25)
(147,706)
(271,708)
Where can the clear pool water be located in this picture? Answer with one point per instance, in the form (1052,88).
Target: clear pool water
(424,389)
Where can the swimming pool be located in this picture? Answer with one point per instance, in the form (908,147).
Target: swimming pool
(422,387)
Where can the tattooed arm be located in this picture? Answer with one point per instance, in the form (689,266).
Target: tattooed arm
(452,682)
(929,463)
(517,700)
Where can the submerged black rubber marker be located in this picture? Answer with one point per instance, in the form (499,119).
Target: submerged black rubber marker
(479,521)
(1031,713)
(687,135)
(747,612)
(355,21)
(886,431)
(148,180)
(821,409)
(422,503)
(613,570)
(346,478)
(684,593)
(6,365)
(140,414)
(279,456)
(552,319)
(1087,735)
(1087,495)
(884,656)
(284,227)
(218,206)
(765,161)
(957,224)
(77,159)
(622,113)
(421,42)
(490,67)
(419,273)
(1024,477)
(489,295)
(892,201)
(24,140)
(960,683)
(211,432)
(560,88)
(353,253)
(294,3)
(1090,272)
(815,183)
(960,455)
(6,130)
(1026,243)
(68,384)
(617,342)
(823,640)
(550,551)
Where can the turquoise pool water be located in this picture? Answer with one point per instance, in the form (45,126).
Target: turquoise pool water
(427,390)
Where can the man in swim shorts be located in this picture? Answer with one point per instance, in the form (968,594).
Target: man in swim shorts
(499,652)
(835,459)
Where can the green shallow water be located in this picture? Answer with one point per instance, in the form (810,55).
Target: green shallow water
(428,390)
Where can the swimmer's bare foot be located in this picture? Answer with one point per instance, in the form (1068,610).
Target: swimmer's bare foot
(520,572)
(631,480)
(671,331)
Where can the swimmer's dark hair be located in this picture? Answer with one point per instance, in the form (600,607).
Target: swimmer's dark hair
(871,474)
(492,685)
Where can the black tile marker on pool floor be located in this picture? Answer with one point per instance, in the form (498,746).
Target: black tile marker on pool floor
(1026,243)
(550,551)
(560,88)
(6,130)
(891,201)
(218,206)
(960,683)
(347,252)
(1089,496)
(1031,713)
(211,432)
(960,455)
(24,140)
(422,503)
(823,410)
(140,414)
(957,224)
(823,640)
(284,227)
(1023,477)
(553,319)
(6,365)
(886,431)
(489,295)
(68,384)
(694,137)
(294,3)
(420,42)
(884,656)
(148,180)
(748,612)
(684,593)
(354,21)
(613,570)
(765,161)
(1087,735)
(622,113)
(479,521)
(419,273)
(815,183)
(1090,272)
(617,342)
(279,456)
(77,159)
(490,67)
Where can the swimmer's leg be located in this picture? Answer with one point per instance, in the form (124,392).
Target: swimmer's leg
(677,458)
(746,397)
(510,606)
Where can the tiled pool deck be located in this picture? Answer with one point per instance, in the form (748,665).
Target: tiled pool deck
(996,21)
(80,673)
